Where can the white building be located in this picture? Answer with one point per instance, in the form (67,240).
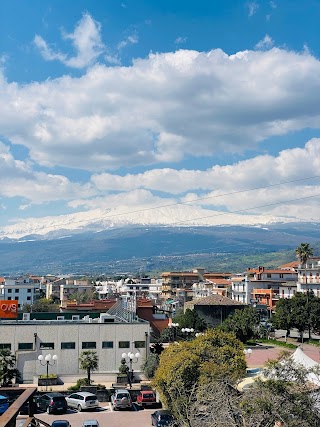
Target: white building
(309,276)
(21,289)
(144,287)
(109,336)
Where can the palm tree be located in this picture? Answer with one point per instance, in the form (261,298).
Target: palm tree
(303,253)
(88,362)
(8,370)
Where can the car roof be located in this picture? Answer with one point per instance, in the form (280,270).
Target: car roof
(164,412)
(122,390)
(54,394)
(84,393)
(147,391)
(92,422)
(60,421)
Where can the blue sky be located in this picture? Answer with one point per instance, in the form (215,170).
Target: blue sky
(145,103)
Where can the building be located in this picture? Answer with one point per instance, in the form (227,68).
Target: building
(309,276)
(62,289)
(214,309)
(22,289)
(108,335)
(187,284)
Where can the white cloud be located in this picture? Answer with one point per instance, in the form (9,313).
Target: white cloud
(265,43)
(86,41)
(19,180)
(163,108)
(180,40)
(252,8)
(132,39)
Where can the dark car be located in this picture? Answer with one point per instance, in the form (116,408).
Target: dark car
(161,418)
(52,403)
(60,423)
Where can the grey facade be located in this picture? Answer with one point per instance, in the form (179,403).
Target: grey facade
(67,339)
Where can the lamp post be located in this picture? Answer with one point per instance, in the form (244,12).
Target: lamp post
(247,352)
(47,363)
(130,358)
(173,327)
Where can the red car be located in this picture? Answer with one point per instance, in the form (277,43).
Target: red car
(146,398)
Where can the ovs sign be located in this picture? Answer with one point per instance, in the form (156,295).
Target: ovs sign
(8,309)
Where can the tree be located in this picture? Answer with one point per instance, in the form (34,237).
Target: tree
(190,319)
(302,312)
(42,305)
(186,365)
(89,362)
(8,370)
(150,365)
(303,253)
(243,323)
(284,396)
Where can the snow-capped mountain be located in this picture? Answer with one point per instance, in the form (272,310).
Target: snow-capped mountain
(102,219)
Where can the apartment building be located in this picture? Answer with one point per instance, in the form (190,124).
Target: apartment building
(309,276)
(22,289)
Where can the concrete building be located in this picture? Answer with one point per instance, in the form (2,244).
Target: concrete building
(309,276)
(22,289)
(108,335)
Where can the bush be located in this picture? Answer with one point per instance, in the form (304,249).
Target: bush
(81,382)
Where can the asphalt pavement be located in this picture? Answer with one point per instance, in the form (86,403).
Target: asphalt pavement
(138,417)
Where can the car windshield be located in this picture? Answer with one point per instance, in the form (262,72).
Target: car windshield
(165,417)
(60,424)
(93,397)
(58,399)
(149,395)
(3,400)
(122,395)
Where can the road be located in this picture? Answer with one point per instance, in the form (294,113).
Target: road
(105,415)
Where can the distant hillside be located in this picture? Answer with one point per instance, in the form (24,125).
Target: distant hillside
(136,249)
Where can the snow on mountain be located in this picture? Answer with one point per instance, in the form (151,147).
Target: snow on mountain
(101,219)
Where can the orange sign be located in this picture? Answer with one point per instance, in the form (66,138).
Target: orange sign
(8,309)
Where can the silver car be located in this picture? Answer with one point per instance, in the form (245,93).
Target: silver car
(90,423)
(82,400)
(121,399)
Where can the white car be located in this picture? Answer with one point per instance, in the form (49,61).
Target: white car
(82,400)
(90,423)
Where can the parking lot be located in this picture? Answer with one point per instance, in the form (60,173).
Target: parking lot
(137,417)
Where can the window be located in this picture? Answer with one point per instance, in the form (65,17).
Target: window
(269,275)
(124,344)
(139,344)
(47,345)
(281,275)
(89,344)
(2,346)
(9,291)
(28,298)
(9,298)
(68,345)
(25,346)
(107,344)
(29,290)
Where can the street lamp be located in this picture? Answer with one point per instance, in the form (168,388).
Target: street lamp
(247,352)
(173,327)
(130,358)
(47,363)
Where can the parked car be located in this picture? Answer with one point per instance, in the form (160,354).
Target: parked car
(90,423)
(82,401)
(60,423)
(4,404)
(146,398)
(161,418)
(52,403)
(121,399)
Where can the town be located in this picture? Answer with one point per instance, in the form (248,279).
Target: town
(64,322)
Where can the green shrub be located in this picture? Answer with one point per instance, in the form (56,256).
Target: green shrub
(80,382)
